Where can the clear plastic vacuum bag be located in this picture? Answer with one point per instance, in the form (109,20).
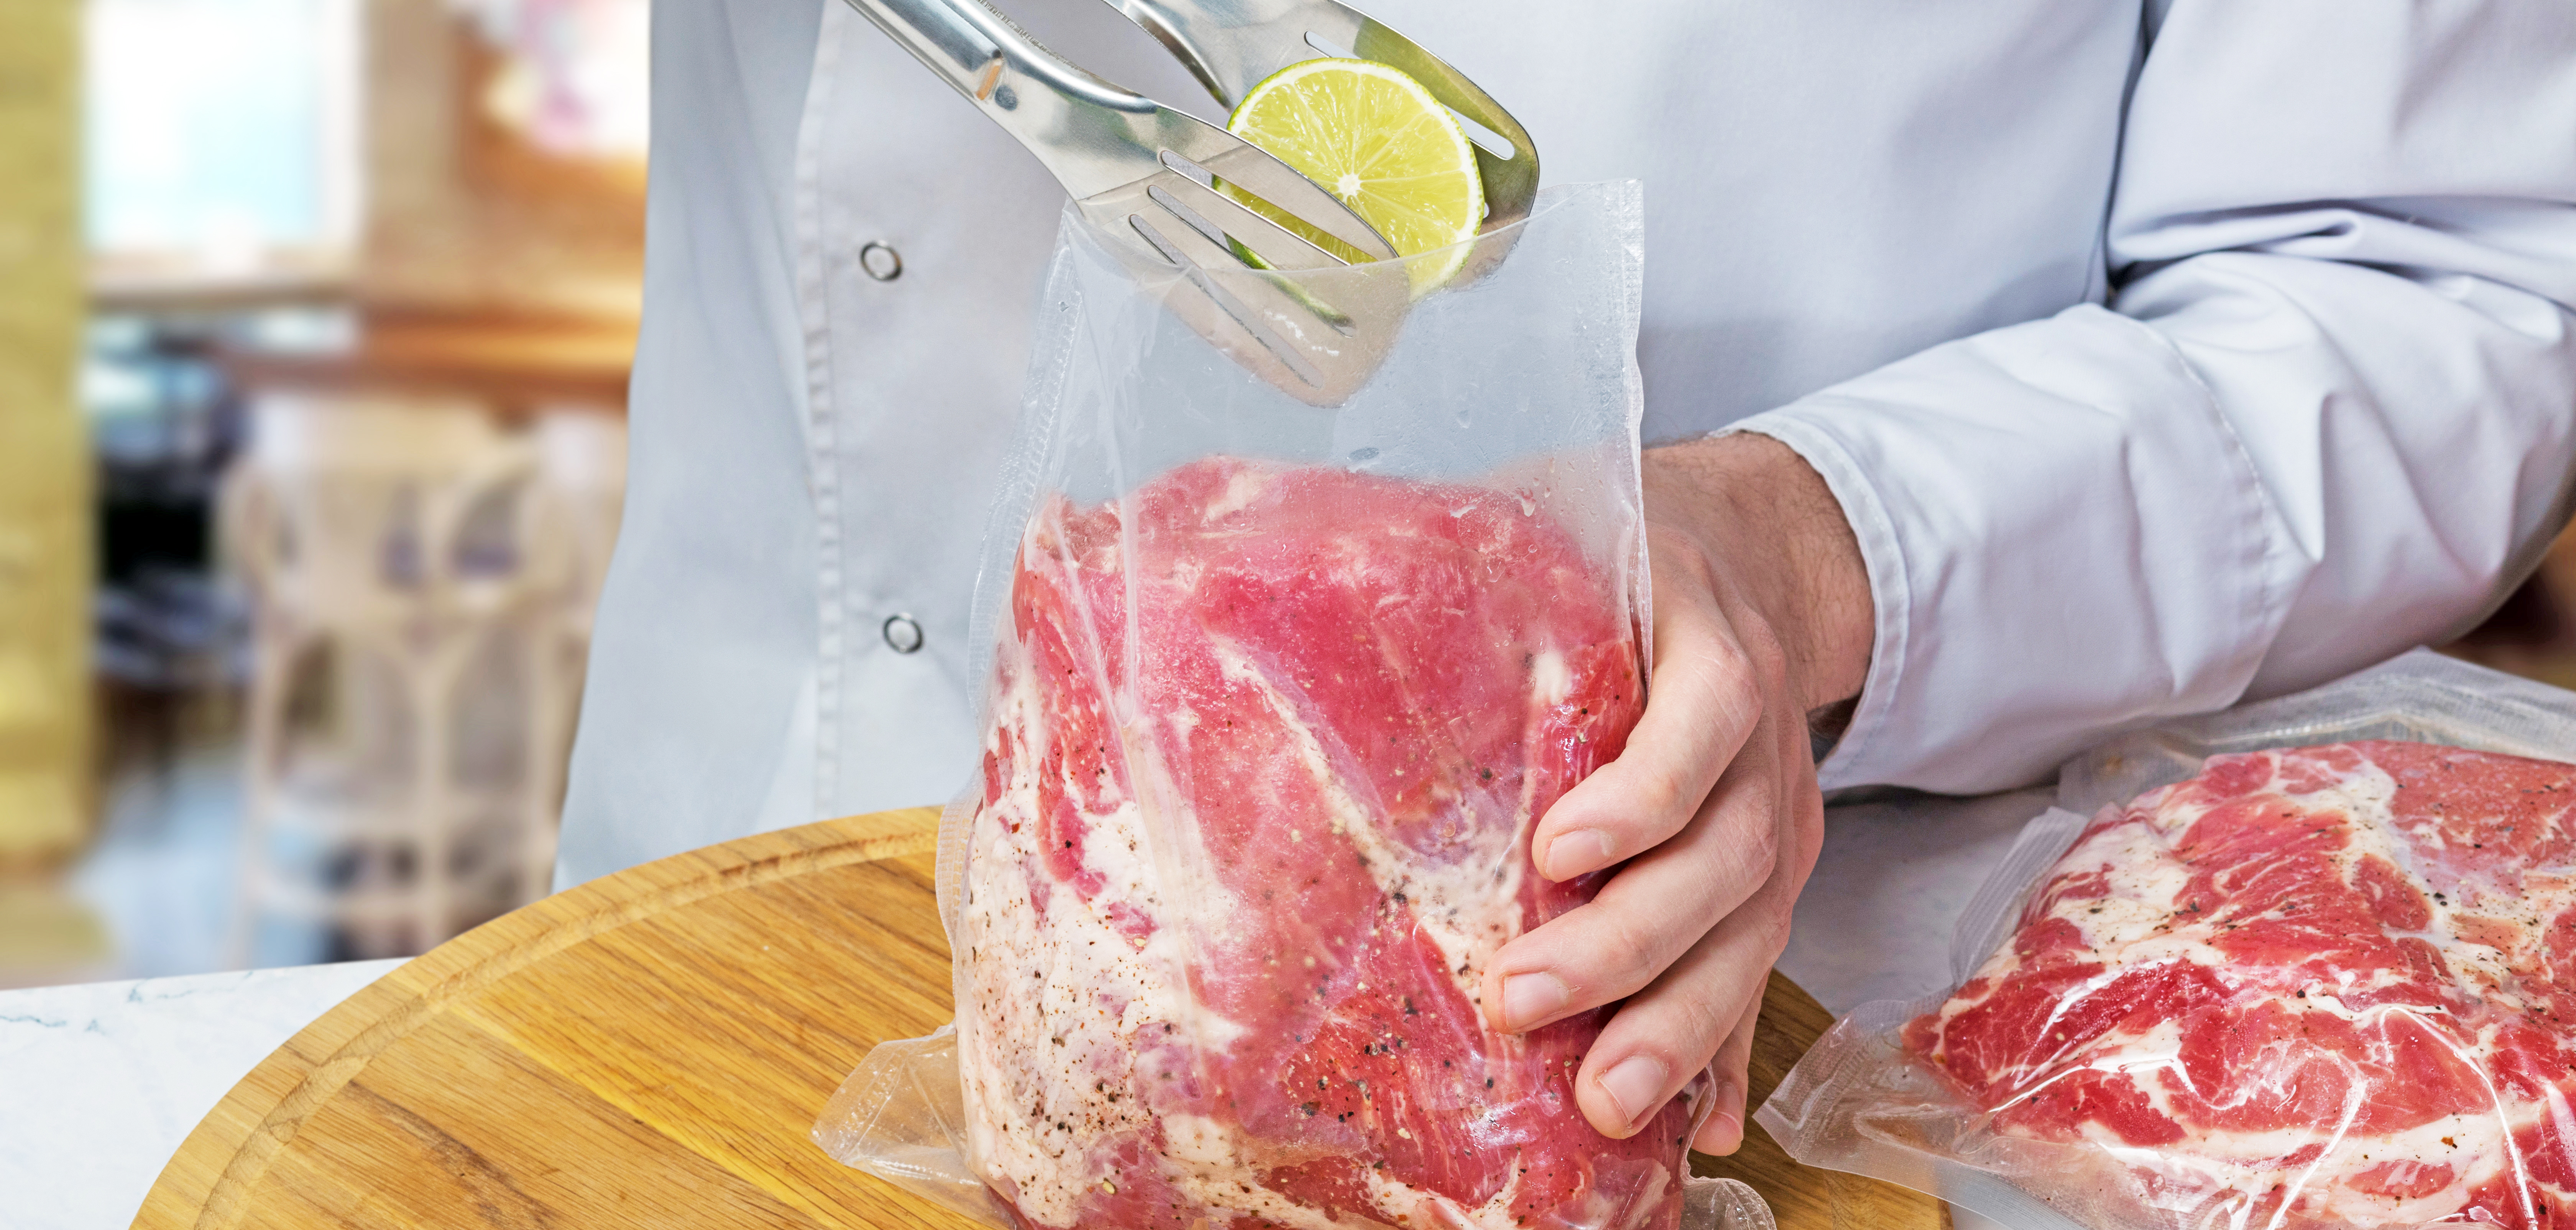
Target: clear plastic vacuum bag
(1275,698)
(2308,963)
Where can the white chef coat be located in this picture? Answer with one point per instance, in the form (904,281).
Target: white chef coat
(2161,354)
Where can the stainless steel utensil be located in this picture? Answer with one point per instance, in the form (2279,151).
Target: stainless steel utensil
(1136,167)
(1231,45)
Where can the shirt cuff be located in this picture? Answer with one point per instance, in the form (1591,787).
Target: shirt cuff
(2063,537)
(1881,556)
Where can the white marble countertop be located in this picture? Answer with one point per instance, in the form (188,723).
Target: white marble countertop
(100,1083)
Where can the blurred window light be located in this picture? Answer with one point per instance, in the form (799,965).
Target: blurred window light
(222,137)
(573,79)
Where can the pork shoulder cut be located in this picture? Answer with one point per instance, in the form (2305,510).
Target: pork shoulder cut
(1265,748)
(2323,986)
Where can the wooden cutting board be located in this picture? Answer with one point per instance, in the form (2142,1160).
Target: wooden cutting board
(650,1049)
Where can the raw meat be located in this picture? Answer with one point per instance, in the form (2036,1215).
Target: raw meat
(2321,986)
(1262,764)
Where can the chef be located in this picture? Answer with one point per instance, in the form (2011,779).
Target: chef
(2071,366)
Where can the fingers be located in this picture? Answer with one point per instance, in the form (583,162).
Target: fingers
(1714,807)
(1707,696)
(1723,1130)
(1671,1030)
(1649,914)
(1713,993)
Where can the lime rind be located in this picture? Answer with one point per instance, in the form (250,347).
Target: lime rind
(1375,138)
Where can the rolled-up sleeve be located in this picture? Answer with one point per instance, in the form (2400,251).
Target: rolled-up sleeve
(2328,412)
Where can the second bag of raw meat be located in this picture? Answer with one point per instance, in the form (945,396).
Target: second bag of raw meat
(2302,965)
(1275,697)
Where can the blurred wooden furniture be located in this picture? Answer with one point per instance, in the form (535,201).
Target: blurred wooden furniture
(468,215)
(45,792)
(517,364)
(390,549)
(491,265)
(651,1048)
(2532,633)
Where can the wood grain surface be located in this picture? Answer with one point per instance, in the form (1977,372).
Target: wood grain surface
(650,1049)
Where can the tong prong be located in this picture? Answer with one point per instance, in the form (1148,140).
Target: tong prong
(1215,311)
(1277,246)
(1280,300)
(1253,170)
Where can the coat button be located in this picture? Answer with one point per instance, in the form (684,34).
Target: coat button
(880,261)
(902,634)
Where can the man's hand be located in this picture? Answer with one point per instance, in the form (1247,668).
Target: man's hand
(1762,616)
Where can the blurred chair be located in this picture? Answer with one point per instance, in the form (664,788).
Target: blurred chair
(393,551)
(583,465)
(582,477)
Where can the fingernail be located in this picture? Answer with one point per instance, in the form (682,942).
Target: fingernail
(1633,1085)
(1723,1132)
(1576,852)
(1528,998)
(1721,1135)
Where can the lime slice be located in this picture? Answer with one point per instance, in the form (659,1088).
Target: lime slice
(1375,138)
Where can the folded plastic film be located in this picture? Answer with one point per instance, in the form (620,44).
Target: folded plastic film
(2249,1056)
(901,1117)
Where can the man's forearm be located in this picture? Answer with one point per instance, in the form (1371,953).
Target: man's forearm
(1753,502)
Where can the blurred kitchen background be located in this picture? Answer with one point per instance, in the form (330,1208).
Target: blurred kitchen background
(315,317)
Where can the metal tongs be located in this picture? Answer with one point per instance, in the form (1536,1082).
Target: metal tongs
(1231,45)
(1136,167)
